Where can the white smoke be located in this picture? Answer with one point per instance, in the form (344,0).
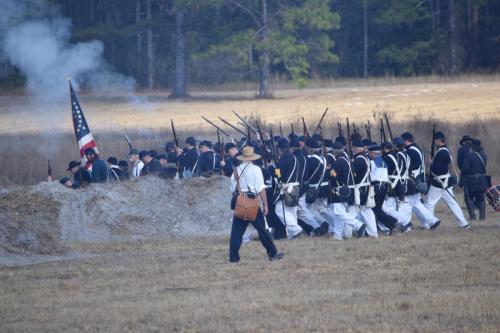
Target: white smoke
(36,40)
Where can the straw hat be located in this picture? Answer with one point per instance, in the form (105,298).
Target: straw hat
(248,155)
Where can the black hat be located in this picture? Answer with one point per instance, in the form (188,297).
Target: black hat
(439,135)
(89,151)
(328,143)
(169,146)
(292,136)
(358,144)
(407,136)
(294,143)
(161,157)
(366,142)
(387,145)
(112,160)
(375,148)
(283,143)
(301,138)
(341,139)
(153,153)
(338,146)
(398,141)
(276,138)
(205,143)
(466,137)
(134,152)
(476,142)
(229,146)
(123,163)
(64,180)
(73,164)
(313,144)
(191,141)
(316,136)
(144,153)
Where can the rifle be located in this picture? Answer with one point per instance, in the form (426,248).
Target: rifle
(246,123)
(323,146)
(388,126)
(128,141)
(383,137)
(219,130)
(355,130)
(321,121)
(349,138)
(233,127)
(341,132)
(176,142)
(306,132)
(291,125)
(263,144)
(433,146)
(221,146)
(49,172)
(281,130)
(368,131)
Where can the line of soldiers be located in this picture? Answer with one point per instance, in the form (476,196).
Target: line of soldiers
(319,186)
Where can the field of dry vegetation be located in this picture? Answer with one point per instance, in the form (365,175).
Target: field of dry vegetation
(443,281)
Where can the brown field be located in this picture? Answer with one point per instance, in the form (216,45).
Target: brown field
(443,281)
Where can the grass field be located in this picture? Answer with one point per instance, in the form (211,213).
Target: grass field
(442,281)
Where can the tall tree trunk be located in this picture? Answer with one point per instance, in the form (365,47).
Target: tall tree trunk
(365,38)
(92,11)
(139,39)
(180,71)
(452,36)
(264,70)
(151,59)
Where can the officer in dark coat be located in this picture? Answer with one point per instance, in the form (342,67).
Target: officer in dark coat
(476,180)
(462,152)
(99,168)
(188,159)
(81,176)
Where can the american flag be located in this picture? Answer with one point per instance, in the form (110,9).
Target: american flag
(82,132)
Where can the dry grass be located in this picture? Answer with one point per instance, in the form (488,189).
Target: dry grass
(443,281)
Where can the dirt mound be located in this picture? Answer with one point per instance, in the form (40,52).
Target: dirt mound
(35,219)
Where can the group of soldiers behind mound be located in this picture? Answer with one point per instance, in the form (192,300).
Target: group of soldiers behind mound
(320,186)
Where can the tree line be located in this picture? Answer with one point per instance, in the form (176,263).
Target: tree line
(176,43)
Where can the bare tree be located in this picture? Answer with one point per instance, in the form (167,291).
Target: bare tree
(180,71)
(365,38)
(150,50)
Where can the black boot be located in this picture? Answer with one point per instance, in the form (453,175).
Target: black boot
(470,206)
(482,210)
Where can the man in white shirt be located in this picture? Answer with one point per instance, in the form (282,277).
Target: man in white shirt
(251,183)
(136,163)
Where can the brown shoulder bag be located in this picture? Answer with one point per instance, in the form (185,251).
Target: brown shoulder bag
(246,208)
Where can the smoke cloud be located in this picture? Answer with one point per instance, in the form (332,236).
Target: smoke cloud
(36,39)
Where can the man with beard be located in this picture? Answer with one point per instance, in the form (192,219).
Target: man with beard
(99,168)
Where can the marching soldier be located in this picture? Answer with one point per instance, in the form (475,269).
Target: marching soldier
(462,152)
(476,180)
(342,183)
(442,182)
(397,168)
(288,199)
(361,173)
(416,172)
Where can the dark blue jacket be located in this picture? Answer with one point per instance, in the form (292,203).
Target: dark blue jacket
(318,174)
(99,171)
(152,168)
(462,152)
(400,189)
(416,164)
(80,177)
(302,170)
(440,164)
(188,159)
(286,166)
(343,177)
(473,164)
(208,163)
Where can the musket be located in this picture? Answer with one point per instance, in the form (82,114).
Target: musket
(219,130)
(233,127)
(247,124)
(388,126)
(323,145)
(355,129)
(49,172)
(306,132)
(341,132)
(320,121)
(383,137)
(349,138)
(281,130)
(433,146)
(128,141)
(263,144)
(291,125)
(176,142)
(221,146)
(273,147)
(368,131)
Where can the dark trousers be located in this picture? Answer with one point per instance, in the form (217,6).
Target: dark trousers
(237,231)
(380,215)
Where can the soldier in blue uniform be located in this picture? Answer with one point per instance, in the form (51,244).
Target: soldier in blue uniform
(188,159)
(416,174)
(81,176)
(230,161)
(442,182)
(208,161)
(475,179)
(462,152)
(99,168)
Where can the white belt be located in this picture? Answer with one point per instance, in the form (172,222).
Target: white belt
(363,184)
(291,184)
(318,185)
